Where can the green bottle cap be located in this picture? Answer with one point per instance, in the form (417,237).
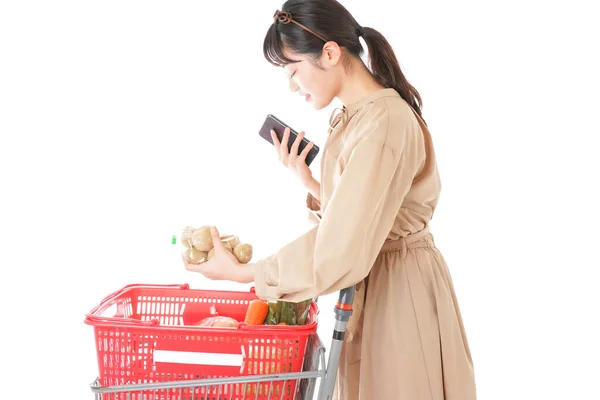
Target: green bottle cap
(174,240)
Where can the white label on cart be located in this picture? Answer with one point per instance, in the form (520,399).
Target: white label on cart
(188,357)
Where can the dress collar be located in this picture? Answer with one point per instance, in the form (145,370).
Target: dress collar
(346,112)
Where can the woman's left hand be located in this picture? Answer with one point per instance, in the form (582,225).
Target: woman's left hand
(223,265)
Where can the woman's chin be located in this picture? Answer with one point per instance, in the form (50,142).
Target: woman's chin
(318,105)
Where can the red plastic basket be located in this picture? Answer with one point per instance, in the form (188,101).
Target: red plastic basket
(143,335)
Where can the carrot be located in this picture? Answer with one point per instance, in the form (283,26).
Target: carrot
(256,313)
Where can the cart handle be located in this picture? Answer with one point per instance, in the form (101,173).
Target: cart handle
(346,298)
(91,317)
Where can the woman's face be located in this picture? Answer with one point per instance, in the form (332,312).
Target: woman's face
(318,86)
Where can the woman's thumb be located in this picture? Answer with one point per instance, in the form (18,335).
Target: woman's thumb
(216,238)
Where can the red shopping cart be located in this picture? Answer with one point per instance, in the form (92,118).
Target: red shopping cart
(148,349)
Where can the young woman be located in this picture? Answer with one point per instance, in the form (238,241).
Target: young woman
(378,191)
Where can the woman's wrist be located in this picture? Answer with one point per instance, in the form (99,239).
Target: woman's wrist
(246,273)
(314,188)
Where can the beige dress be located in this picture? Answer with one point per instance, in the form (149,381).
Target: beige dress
(379,188)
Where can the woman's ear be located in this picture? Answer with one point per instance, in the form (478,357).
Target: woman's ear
(331,55)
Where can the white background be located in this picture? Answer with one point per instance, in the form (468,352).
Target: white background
(123,121)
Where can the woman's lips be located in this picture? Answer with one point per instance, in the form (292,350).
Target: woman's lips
(305,95)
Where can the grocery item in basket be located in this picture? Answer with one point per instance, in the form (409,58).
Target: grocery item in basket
(288,313)
(201,241)
(302,311)
(274,313)
(256,312)
(218,321)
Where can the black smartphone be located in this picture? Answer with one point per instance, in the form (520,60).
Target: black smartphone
(271,122)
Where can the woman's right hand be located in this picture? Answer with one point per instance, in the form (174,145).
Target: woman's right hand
(292,160)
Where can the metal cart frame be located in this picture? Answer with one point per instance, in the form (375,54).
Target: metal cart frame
(314,367)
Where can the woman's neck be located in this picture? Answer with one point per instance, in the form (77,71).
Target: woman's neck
(357,84)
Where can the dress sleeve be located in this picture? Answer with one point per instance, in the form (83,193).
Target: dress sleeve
(340,251)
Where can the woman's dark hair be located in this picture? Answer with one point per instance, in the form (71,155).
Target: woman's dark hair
(316,20)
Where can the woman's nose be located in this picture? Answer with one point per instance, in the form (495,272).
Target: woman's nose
(293,86)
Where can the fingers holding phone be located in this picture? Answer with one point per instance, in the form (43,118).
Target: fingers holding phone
(281,148)
(299,157)
(294,151)
(291,159)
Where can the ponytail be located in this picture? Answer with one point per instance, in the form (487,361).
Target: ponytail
(386,68)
